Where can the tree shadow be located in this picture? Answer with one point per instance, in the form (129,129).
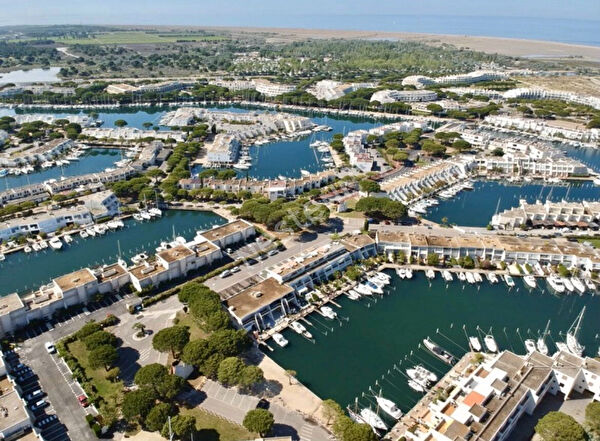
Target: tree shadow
(128,363)
(208,435)
(193,397)
(284,430)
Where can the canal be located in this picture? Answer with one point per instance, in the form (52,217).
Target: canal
(22,272)
(348,358)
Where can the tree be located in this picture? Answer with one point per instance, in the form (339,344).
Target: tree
(141,329)
(158,416)
(461,144)
(259,421)
(230,371)
(290,373)
(251,375)
(557,426)
(120,123)
(436,109)
(592,417)
(138,403)
(155,376)
(353,273)
(433,259)
(358,432)
(381,208)
(99,338)
(196,352)
(182,425)
(88,329)
(368,186)
(104,355)
(171,339)
(331,410)
(147,125)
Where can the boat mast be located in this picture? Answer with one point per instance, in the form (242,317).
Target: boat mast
(546,331)
(578,321)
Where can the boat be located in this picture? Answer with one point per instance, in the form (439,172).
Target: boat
(430,274)
(373,287)
(83,234)
(462,276)
(389,407)
(36,247)
(475,343)
(384,277)
(589,284)
(509,281)
(55,243)
(155,212)
(100,229)
(328,312)
(578,284)
(91,231)
(67,238)
(305,173)
(43,245)
(490,343)
(409,273)
(353,295)
(280,340)
(3,172)
(139,258)
(354,416)
(138,217)
(447,276)
(562,346)
(573,334)
(439,352)
(416,386)
(470,277)
(372,419)
(568,285)
(145,215)
(541,345)
(492,278)
(556,284)
(421,374)
(530,346)
(363,290)
(529,281)
(300,329)
(27,249)
(401,272)
(477,277)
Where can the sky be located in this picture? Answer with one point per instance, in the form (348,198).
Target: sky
(276,13)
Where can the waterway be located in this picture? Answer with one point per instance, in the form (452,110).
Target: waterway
(475,208)
(353,356)
(49,75)
(92,161)
(22,272)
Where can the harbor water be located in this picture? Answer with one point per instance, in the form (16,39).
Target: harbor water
(22,272)
(348,357)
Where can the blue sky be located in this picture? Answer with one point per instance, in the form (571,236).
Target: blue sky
(279,13)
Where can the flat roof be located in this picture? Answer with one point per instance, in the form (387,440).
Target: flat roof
(357,241)
(204,248)
(9,400)
(144,271)
(226,230)
(75,279)
(111,272)
(248,302)
(9,303)
(305,259)
(176,253)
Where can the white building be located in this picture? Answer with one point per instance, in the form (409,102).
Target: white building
(45,222)
(330,90)
(102,204)
(477,76)
(36,153)
(223,151)
(392,96)
(548,94)
(270,89)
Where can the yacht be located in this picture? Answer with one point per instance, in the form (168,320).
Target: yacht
(100,229)
(578,284)
(421,374)
(477,277)
(562,346)
(280,340)
(300,329)
(90,231)
(36,247)
(27,249)
(490,343)
(139,258)
(401,272)
(475,344)
(416,386)
(430,274)
(530,345)
(409,273)
(363,289)
(568,285)
(389,407)
(556,284)
(462,276)
(43,245)
(447,276)
(155,212)
(542,347)
(3,172)
(470,277)
(589,284)
(384,277)
(67,238)
(573,333)
(83,234)
(509,281)
(353,295)
(145,215)
(492,278)
(372,419)
(373,287)
(538,269)
(328,312)
(305,173)
(2,257)
(529,281)
(55,243)
(439,352)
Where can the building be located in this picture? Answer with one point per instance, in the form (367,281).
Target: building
(521,164)
(546,129)
(270,89)
(234,85)
(36,153)
(120,88)
(477,76)
(132,133)
(392,96)
(330,90)
(14,418)
(230,233)
(548,94)
(162,87)
(32,192)
(181,259)
(223,151)
(88,181)
(47,222)
(103,204)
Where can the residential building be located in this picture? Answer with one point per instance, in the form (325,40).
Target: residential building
(392,96)
(477,76)
(548,94)
(223,151)
(14,418)
(270,89)
(132,133)
(47,222)
(36,153)
(547,129)
(330,90)
(102,204)
(33,192)
(230,233)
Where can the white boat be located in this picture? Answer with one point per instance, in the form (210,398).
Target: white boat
(542,347)
(530,346)
(409,273)
(36,247)
(573,334)
(439,352)
(447,276)
(492,278)
(2,257)
(470,277)
(91,231)
(529,281)
(372,419)
(510,282)
(430,274)
(556,284)
(353,295)
(139,258)
(138,217)
(3,172)
(475,344)
(55,243)
(155,212)
(462,276)
(401,272)
(300,329)
(562,346)
(384,277)
(280,340)
(67,238)
(389,407)
(477,277)
(373,287)
(490,343)
(589,284)
(43,245)
(328,312)
(145,215)
(568,285)
(305,173)
(100,229)
(363,289)
(27,249)
(578,284)
(83,234)
(416,386)
(421,374)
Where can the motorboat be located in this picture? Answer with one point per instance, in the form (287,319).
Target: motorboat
(328,312)
(589,284)
(530,281)
(430,274)
(477,277)
(462,276)
(280,340)
(510,282)
(492,278)
(373,287)
(138,217)
(67,238)
(363,290)
(401,272)
(573,334)
(354,416)
(490,343)
(372,419)
(568,285)
(389,407)
(416,386)
(439,352)
(27,249)
(577,284)
(100,229)
(447,276)
(556,284)
(562,346)
(530,346)
(470,277)
(475,344)
(383,277)
(353,295)
(155,212)
(36,247)
(91,231)
(83,234)
(43,244)
(300,329)
(139,258)
(409,273)
(55,243)
(421,375)
(145,215)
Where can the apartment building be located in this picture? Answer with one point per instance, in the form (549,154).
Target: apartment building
(132,133)
(549,94)
(270,89)
(36,153)
(420,81)
(548,129)
(392,96)
(230,233)
(223,151)
(47,222)
(103,204)
(32,192)
(520,164)
(162,87)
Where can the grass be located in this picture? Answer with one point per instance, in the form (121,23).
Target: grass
(594,241)
(105,388)
(137,37)
(195,331)
(214,428)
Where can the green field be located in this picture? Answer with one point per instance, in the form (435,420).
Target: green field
(138,37)
(213,428)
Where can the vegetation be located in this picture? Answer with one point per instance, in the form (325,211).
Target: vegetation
(171,340)
(284,215)
(557,426)
(592,418)
(259,421)
(381,208)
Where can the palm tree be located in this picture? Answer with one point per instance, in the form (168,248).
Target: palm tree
(290,373)
(141,328)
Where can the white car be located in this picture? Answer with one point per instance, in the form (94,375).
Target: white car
(50,347)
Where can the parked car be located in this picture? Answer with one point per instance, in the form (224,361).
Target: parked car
(225,273)
(50,348)
(47,420)
(83,400)
(272,252)
(38,405)
(34,395)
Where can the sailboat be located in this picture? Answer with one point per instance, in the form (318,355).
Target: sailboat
(542,347)
(572,343)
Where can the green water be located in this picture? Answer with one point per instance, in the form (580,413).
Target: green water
(352,357)
(22,272)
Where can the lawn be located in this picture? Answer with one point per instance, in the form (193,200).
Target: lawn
(195,331)
(137,37)
(214,428)
(594,241)
(106,389)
